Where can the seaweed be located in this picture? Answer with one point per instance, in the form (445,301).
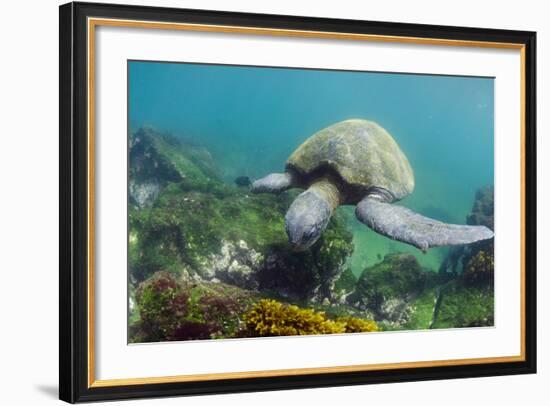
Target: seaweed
(272,318)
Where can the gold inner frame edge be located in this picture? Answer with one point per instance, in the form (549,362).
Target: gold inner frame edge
(92,23)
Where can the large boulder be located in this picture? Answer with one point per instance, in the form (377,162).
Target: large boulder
(156,159)
(168,307)
(388,289)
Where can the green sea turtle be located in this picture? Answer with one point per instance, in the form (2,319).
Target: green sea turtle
(358,162)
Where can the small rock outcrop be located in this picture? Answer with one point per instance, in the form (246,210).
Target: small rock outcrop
(237,264)
(482,214)
(156,159)
(388,288)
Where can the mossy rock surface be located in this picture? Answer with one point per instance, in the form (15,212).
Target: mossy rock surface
(463,305)
(175,309)
(390,288)
(157,159)
(398,275)
(467,300)
(201,233)
(423,307)
(459,257)
(346,282)
(201,227)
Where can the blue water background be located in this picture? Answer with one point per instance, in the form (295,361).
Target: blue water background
(252,118)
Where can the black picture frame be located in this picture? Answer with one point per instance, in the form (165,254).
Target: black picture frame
(74,199)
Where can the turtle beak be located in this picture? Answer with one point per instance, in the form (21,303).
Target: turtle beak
(297,246)
(294,238)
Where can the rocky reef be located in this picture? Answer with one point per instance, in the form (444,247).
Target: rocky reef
(399,295)
(186,222)
(235,238)
(207,259)
(171,308)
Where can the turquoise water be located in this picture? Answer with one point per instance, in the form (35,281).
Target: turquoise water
(252,118)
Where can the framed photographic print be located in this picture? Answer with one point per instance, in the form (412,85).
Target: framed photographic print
(255,202)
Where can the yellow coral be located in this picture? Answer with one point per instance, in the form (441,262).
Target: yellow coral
(357,325)
(272,318)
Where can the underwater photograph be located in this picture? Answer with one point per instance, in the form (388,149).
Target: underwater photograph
(270,201)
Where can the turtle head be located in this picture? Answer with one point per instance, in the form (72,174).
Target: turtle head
(306,219)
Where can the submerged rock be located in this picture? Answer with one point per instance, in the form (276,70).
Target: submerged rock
(201,228)
(143,194)
(308,275)
(483,209)
(175,309)
(459,258)
(399,294)
(344,286)
(388,288)
(157,159)
(236,264)
(172,309)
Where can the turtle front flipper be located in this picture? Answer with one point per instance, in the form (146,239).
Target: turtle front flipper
(272,183)
(402,224)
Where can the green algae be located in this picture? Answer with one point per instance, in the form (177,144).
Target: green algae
(346,281)
(465,306)
(422,314)
(397,275)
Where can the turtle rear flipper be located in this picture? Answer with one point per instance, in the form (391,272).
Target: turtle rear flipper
(272,183)
(402,224)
